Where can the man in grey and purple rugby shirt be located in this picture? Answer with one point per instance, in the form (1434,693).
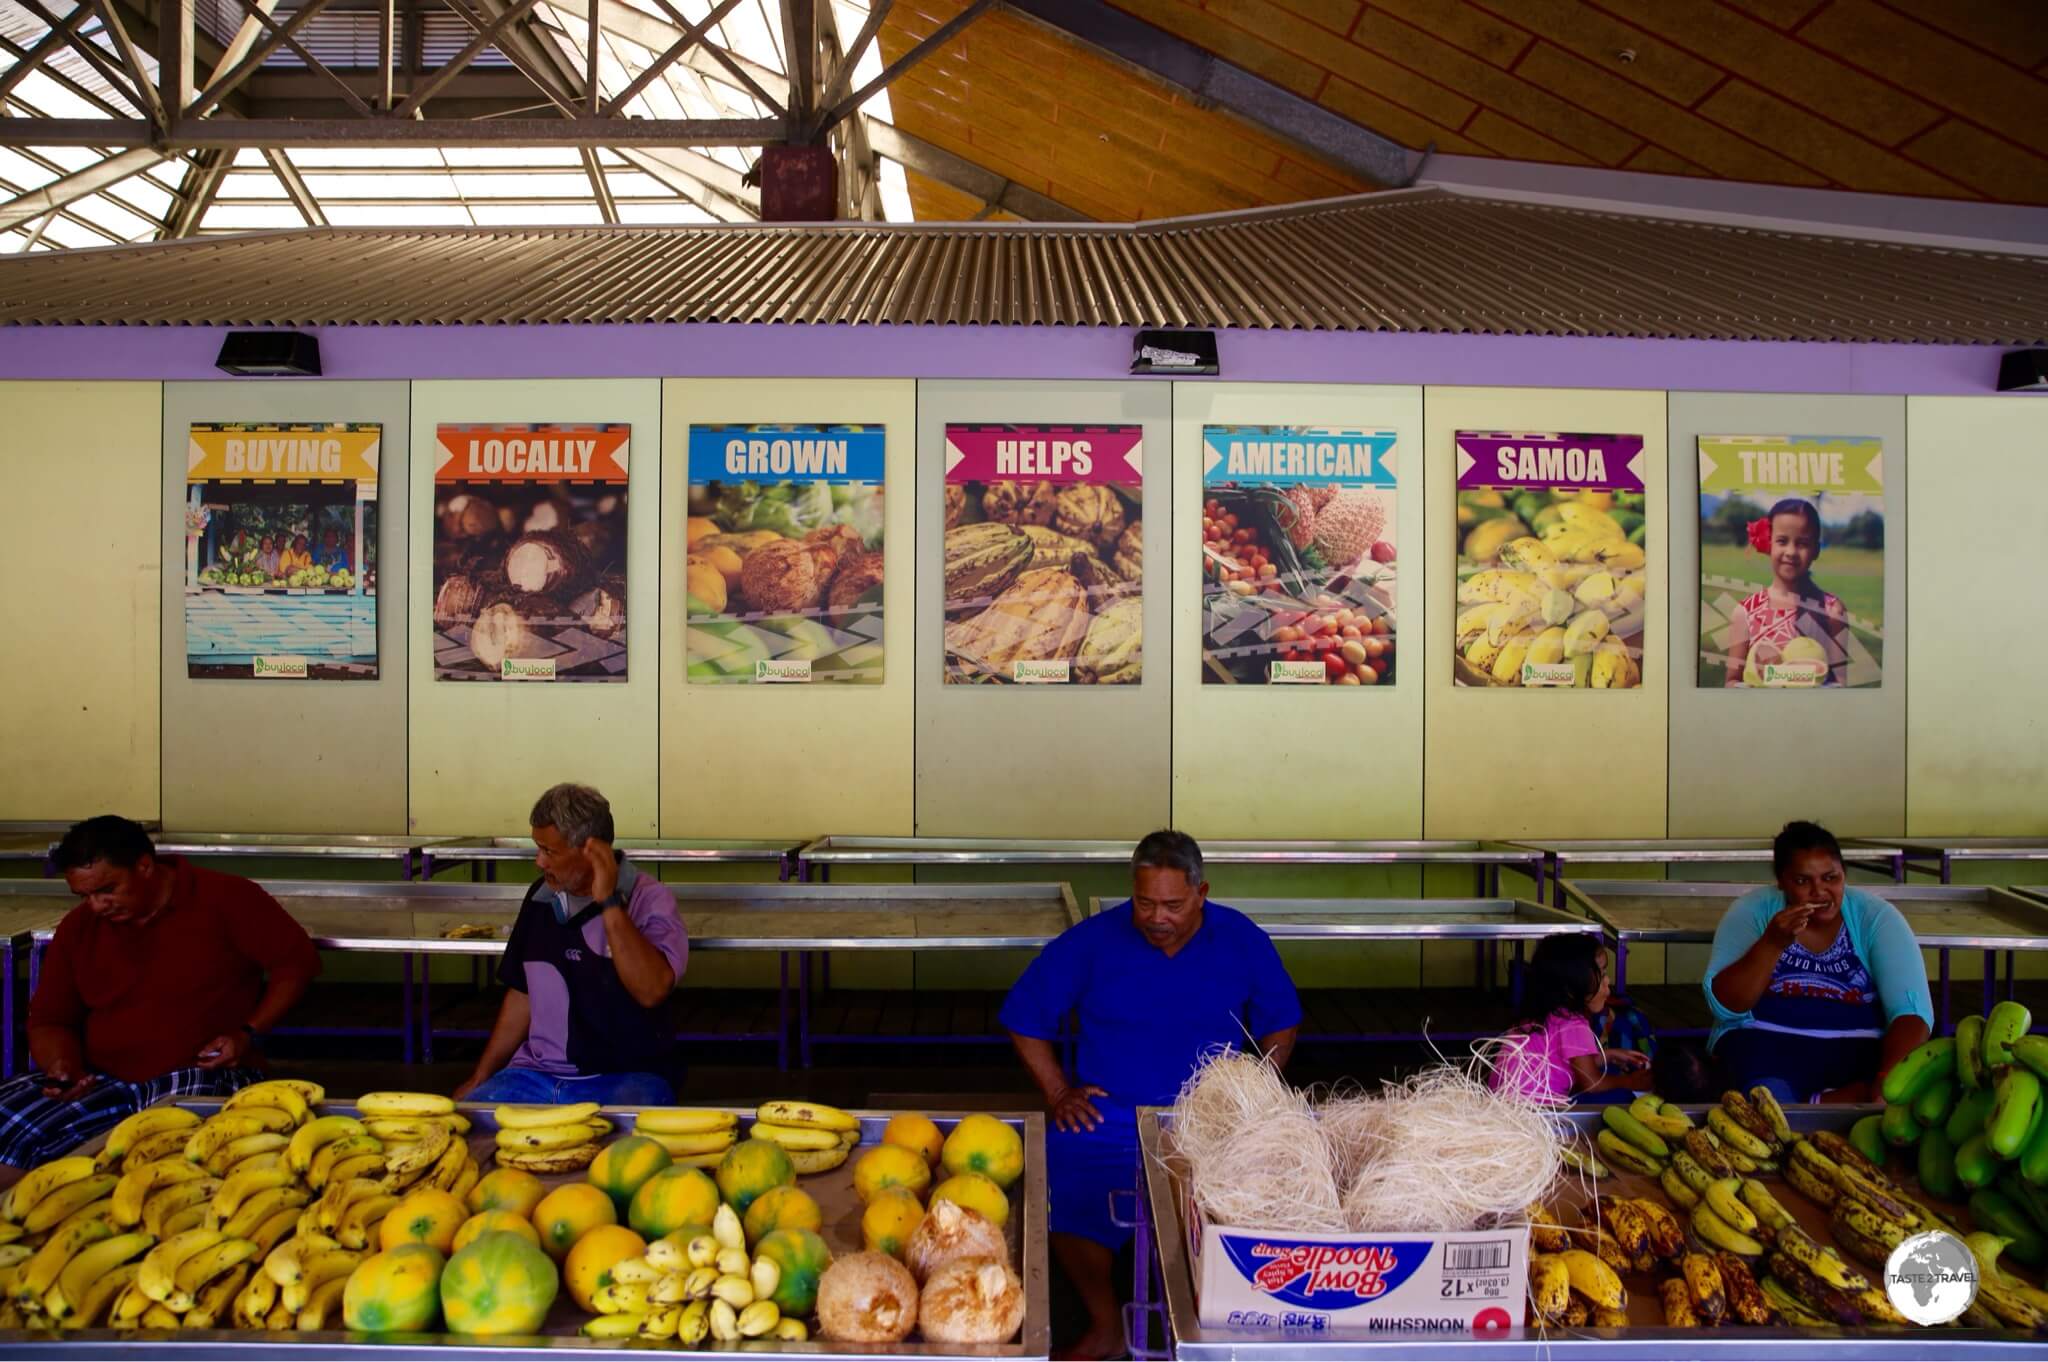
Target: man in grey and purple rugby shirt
(596,950)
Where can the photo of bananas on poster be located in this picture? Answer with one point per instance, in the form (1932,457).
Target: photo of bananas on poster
(1045,555)
(1297,556)
(1791,561)
(1552,560)
(783,582)
(530,552)
(281,552)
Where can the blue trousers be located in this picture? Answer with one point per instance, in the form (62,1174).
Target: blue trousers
(1084,1168)
(534,1088)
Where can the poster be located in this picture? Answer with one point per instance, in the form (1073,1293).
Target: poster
(1045,555)
(1297,555)
(530,552)
(1552,560)
(1791,561)
(281,551)
(783,581)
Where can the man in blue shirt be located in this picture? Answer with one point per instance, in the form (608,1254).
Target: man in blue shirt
(1155,983)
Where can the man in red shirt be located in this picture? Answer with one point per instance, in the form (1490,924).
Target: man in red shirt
(157,985)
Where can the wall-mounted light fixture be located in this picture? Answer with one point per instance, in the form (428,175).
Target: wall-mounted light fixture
(2023,371)
(1174,352)
(269,354)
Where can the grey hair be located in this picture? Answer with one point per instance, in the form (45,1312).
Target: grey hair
(1167,849)
(578,812)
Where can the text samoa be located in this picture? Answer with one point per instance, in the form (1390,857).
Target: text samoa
(1350,1269)
(1568,466)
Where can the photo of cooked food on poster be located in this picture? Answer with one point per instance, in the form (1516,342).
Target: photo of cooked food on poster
(783,580)
(281,551)
(1791,561)
(1298,557)
(1552,561)
(530,552)
(1045,555)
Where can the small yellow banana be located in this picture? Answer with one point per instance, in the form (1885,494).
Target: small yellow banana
(75,1282)
(41,1181)
(786,1113)
(523,1118)
(683,1121)
(150,1121)
(310,1138)
(158,1279)
(404,1104)
(68,1201)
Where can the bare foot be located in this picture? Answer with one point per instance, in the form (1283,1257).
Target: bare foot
(1101,1341)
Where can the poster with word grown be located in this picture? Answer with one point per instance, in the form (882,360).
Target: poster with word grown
(783,580)
(1791,561)
(1045,555)
(1298,555)
(1552,560)
(530,552)
(281,551)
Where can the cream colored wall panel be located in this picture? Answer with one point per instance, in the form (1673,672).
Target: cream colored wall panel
(287,756)
(1976,730)
(1722,785)
(482,751)
(1561,763)
(78,697)
(1296,761)
(782,760)
(1043,761)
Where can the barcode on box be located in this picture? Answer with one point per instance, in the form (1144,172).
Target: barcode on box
(1490,1256)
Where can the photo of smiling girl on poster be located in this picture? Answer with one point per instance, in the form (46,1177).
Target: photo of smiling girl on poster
(1790,620)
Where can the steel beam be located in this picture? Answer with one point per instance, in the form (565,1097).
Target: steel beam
(117,80)
(294,186)
(957,172)
(800,57)
(688,39)
(77,185)
(593,170)
(222,85)
(711,185)
(195,196)
(32,58)
(849,58)
(131,60)
(937,39)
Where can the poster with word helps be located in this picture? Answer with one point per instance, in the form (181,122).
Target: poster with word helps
(1298,558)
(530,552)
(1791,561)
(281,551)
(1045,555)
(1552,560)
(783,579)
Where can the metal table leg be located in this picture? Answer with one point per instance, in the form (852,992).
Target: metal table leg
(782,1015)
(1142,1309)
(1943,1019)
(406,1014)
(803,1009)
(1948,866)
(1990,981)
(2008,973)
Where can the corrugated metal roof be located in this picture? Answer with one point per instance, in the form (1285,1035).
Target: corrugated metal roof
(1417,260)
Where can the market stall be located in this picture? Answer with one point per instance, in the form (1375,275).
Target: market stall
(483,855)
(1941,855)
(1873,859)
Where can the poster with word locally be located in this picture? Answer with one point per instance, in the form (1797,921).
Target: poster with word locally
(1045,554)
(783,582)
(530,552)
(1298,556)
(1552,560)
(1791,561)
(281,552)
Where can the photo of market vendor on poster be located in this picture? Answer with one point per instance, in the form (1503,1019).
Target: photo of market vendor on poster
(1298,559)
(1791,561)
(1044,555)
(783,578)
(1552,561)
(530,552)
(280,552)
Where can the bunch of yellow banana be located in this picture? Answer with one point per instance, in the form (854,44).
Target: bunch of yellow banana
(688,1289)
(816,1137)
(696,1137)
(1571,596)
(1826,1182)
(1630,1145)
(1574,1288)
(554,1139)
(300,1282)
(1645,1232)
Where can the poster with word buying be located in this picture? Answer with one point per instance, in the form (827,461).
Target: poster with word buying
(1791,561)
(1045,555)
(530,552)
(783,581)
(1298,557)
(1552,560)
(281,552)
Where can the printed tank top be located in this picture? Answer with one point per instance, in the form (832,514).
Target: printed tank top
(1826,995)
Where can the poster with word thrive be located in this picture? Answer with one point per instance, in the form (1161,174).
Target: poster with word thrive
(1553,561)
(1045,555)
(530,552)
(783,581)
(281,552)
(1791,561)
(1298,556)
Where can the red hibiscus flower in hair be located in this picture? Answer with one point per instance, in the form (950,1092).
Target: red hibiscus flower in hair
(1760,535)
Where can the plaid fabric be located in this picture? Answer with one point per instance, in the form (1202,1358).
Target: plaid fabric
(35,1129)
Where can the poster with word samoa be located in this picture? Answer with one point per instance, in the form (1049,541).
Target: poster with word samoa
(281,551)
(1553,561)
(1298,558)
(1045,555)
(530,552)
(1791,561)
(783,579)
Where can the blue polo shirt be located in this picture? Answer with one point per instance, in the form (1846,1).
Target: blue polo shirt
(1146,1018)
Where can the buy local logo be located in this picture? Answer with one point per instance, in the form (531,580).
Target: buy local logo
(1325,1276)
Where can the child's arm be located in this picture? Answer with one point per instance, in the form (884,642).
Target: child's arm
(1590,1076)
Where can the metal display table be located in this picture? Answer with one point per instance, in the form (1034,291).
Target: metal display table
(1941,855)
(483,854)
(1943,917)
(30,841)
(1883,859)
(409,852)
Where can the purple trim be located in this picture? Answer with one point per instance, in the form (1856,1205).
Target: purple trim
(742,351)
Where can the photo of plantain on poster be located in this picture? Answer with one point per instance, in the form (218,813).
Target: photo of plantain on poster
(1553,561)
(280,562)
(1791,561)
(530,552)
(1044,555)
(783,578)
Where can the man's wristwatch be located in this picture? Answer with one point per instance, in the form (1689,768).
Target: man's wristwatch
(615,900)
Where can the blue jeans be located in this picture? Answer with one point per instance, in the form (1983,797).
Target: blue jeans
(534,1088)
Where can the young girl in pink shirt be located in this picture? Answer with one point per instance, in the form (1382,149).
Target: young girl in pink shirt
(1792,606)
(1552,1054)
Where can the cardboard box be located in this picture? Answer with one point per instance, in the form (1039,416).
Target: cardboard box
(1375,1283)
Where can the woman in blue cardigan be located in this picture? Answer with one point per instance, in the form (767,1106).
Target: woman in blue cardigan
(1817,989)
